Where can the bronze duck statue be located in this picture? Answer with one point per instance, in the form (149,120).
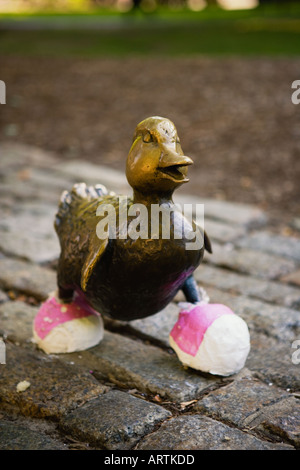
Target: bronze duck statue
(126,258)
(121,277)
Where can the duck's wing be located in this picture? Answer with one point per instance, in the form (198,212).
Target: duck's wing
(207,243)
(97,242)
(97,248)
(76,220)
(206,240)
(70,200)
(106,229)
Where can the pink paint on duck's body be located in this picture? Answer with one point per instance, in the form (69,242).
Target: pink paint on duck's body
(188,332)
(53,313)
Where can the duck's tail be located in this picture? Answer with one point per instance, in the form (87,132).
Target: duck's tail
(79,192)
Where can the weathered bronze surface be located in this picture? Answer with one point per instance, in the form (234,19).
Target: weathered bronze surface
(126,278)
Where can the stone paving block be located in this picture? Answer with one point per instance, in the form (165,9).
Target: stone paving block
(55,388)
(40,184)
(270,291)
(273,320)
(16,321)
(27,278)
(272,362)
(292,278)
(7,201)
(28,232)
(89,173)
(23,191)
(17,437)
(147,368)
(252,405)
(15,156)
(115,420)
(3,297)
(281,322)
(49,179)
(272,243)
(244,397)
(197,432)
(246,215)
(155,328)
(223,232)
(246,261)
(280,421)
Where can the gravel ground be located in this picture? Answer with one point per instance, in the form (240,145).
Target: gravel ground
(234,116)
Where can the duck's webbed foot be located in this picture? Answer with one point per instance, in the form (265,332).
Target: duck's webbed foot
(193,293)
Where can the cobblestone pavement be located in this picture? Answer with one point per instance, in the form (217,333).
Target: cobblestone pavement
(130,391)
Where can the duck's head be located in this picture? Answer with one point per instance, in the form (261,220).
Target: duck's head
(156,162)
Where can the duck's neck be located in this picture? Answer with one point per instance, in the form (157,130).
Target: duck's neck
(152,198)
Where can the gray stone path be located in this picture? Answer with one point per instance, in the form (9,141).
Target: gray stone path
(130,391)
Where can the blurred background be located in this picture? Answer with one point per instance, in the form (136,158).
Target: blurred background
(80,74)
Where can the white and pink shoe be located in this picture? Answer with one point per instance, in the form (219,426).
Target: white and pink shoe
(67,327)
(210,338)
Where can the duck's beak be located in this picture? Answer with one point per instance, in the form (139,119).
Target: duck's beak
(174,166)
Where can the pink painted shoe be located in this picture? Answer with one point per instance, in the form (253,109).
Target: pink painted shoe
(64,328)
(210,338)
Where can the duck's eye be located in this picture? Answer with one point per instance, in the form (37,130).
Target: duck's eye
(147,138)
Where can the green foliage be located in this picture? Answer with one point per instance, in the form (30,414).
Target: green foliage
(261,31)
